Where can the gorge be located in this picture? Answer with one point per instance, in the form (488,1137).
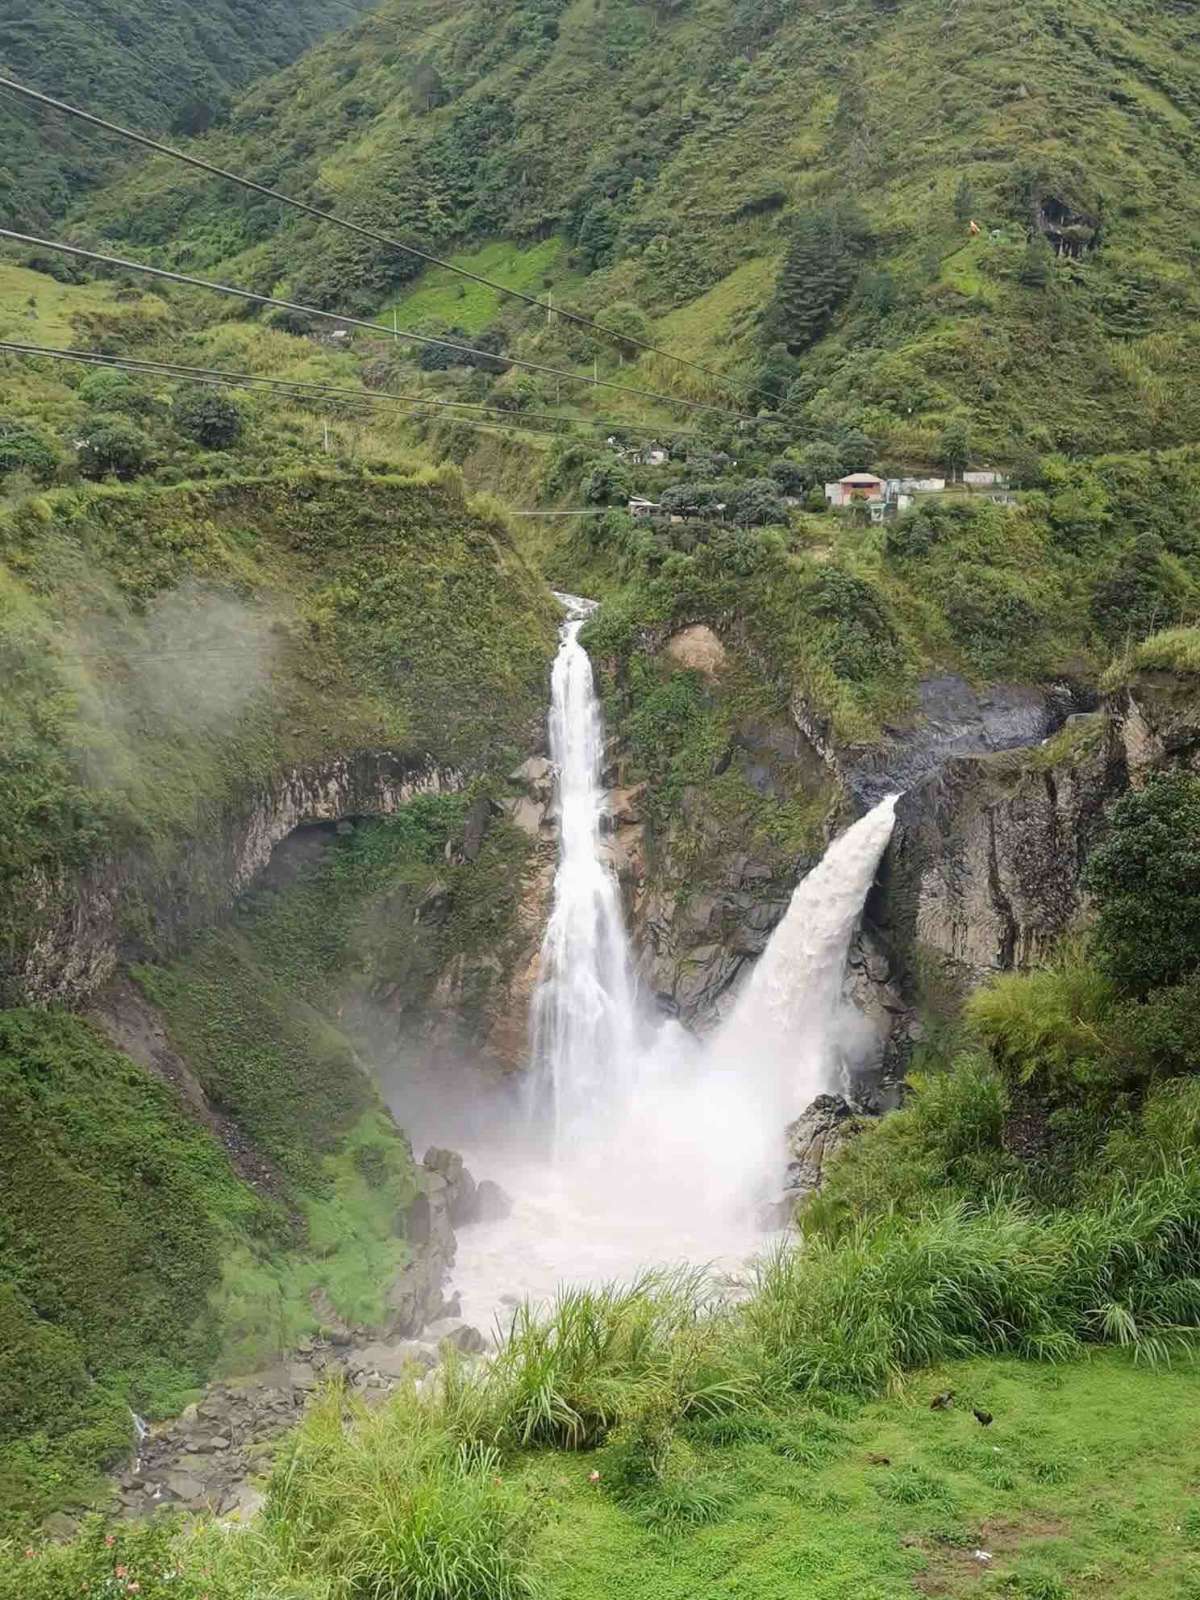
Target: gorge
(691,1093)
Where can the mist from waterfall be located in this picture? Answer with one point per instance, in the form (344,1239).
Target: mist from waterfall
(651,1146)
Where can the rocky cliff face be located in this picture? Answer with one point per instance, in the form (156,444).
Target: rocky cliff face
(111,913)
(983,873)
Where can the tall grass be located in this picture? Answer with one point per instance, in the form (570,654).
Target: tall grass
(388,1505)
(600,1357)
(897,1293)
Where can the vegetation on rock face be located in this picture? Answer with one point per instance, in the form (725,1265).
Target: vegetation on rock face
(1146,877)
(170,651)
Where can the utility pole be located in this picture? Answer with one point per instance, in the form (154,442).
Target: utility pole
(549,307)
(326,426)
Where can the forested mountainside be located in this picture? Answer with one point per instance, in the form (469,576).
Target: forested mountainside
(783,191)
(150,65)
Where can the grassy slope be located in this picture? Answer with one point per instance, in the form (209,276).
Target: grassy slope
(719,124)
(1084,1485)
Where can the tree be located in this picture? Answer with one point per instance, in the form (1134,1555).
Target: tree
(628,324)
(954,447)
(1145,878)
(607,484)
(964,200)
(856,449)
(820,463)
(817,275)
(1139,594)
(426,87)
(25,448)
(1037,266)
(209,417)
(597,236)
(108,389)
(777,372)
(755,503)
(788,475)
(113,445)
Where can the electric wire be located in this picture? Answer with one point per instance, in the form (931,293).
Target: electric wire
(211,168)
(487,356)
(364,398)
(179,369)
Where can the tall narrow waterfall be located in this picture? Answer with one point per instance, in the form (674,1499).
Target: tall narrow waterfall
(584,1025)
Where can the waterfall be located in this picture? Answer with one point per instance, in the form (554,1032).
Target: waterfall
(663,1145)
(787,1021)
(584,1028)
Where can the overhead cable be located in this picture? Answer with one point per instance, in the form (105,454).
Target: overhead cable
(179,369)
(612,335)
(486,356)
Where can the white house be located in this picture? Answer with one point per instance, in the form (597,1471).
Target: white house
(642,508)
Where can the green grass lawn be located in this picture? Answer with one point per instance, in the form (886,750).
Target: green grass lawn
(441,296)
(1086,1485)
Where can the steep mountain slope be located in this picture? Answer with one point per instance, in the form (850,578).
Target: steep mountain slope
(150,64)
(679,150)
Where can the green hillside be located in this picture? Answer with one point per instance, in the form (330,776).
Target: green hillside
(682,149)
(150,65)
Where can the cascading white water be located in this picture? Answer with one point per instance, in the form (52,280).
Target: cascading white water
(660,1144)
(584,1024)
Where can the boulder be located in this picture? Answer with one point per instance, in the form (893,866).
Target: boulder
(461,1335)
(492,1203)
(697,649)
(826,1127)
(392,1360)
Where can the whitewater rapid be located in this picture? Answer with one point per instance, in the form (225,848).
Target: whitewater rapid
(643,1146)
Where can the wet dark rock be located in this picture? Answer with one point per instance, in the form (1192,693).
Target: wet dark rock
(492,1204)
(461,1335)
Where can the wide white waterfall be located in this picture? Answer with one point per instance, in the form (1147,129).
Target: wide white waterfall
(584,1022)
(651,1146)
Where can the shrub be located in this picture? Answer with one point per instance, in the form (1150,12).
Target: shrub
(992,617)
(113,445)
(603,1357)
(607,484)
(860,639)
(25,448)
(209,417)
(1145,877)
(1050,1031)
(756,502)
(108,389)
(896,1293)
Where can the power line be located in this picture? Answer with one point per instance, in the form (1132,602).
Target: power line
(365,232)
(366,397)
(179,369)
(361,322)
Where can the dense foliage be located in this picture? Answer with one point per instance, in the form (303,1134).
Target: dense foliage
(150,66)
(1146,878)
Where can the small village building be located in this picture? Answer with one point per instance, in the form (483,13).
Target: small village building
(985,479)
(642,508)
(857,486)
